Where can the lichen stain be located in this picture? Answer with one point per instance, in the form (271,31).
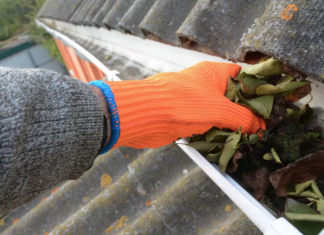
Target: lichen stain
(54,190)
(127,156)
(222,229)
(85,199)
(43,199)
(46,233)
(117,225)
(105,181)
(227,208)
(1,222)
(288,12)
(15,221)
(148,202)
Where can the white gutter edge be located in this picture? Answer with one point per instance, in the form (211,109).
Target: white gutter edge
(111,74)
(260,216)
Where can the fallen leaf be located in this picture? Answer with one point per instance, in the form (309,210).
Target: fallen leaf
(229,150)
(249,83)
(217,135)
(258,181)
(268,157)
(237,155)
(213,157)
(231,89)
(261,105)
(314,134)
(304,169)
(275,156)
(299,93)
(300,209)
(269,89)
(254,138)
(266,68)
(320,205)
(204,147)
(307,116)
(299,190)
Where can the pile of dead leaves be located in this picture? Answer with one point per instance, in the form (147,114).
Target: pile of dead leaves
(287,160)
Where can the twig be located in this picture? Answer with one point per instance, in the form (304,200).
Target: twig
(314,200)
(174,145)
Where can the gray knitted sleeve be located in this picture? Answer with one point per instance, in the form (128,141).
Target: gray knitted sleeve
(51,128)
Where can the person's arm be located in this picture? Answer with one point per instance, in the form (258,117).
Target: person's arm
(51,130)
(52,127)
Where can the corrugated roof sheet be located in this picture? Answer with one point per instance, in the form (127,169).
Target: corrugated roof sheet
(291,31)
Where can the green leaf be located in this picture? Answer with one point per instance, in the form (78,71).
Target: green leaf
(253,139)
(268,157)
(305,217)
(213,157)
(217,135)
(307,116)
(314,134)
(231,89)
(320,205)
(284,81)
(316,189)
(275,156)
(291,112)
(269,89)
(302,186)
(266,68)
(244,139)
(249,83)
(229,150)
(203,146)
(307,193)
(306,227)
(261,105)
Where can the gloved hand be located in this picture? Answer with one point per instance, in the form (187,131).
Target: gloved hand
(160,109)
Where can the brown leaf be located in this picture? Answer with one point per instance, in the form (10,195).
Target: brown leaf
(237,155)
(257,180)
(305,169)
(299,93)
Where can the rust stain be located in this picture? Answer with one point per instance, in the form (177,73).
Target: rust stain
(148,202)
(105,181)
(127,156)
(15,221)
(43,199)
(227,208)
(54,190)
(85,199)
(288,12)
(1,222)
(117,225)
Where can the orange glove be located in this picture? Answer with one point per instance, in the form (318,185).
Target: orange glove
(158,110)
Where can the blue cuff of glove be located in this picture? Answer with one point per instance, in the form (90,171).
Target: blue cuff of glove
(115,123)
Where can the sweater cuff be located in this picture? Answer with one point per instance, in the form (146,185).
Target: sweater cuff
(115,123)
